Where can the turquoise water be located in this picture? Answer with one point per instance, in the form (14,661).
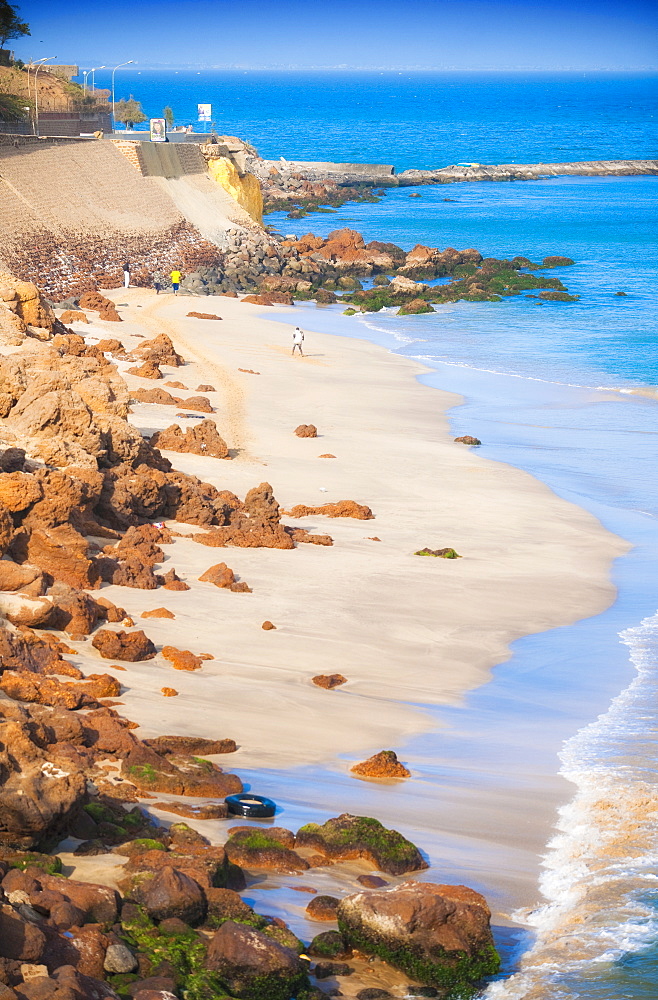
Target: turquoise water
(540,383)
(413,119)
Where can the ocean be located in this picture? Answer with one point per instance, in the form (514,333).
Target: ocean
(566,391)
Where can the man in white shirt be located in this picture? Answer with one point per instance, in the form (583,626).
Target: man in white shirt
(297,340)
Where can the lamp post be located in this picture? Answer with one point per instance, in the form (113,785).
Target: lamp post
(36,91)
(130,62)
(86,74)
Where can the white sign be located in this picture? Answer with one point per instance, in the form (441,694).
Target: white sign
(205,112)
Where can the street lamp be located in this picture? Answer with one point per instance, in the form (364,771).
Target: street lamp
(130,62)
(36,91)
(86,74)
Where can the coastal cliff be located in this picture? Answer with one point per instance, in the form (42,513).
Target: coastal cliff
(245,189)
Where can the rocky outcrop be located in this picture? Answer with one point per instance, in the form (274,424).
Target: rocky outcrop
(252,524)
(384,764)
(97,302)
(344,508)
(468,439)
(159,351)
(438,934)
(271,848)
(172,893)
(322,908)
(130,646)
(347,837)
(200,440)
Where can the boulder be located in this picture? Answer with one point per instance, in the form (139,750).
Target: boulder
(130,646)
(61,553)
(346,837)
(322,908)
(224,578)
(384,764)
(183,659)
(253,965)
(415,308)
(158,613)
(437,934)
(190,744)
(38,796)
(270,848)
(306,431)
(200,440)
(149,369)
(160,350)
(172,893)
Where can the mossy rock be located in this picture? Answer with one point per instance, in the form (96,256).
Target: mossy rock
(558,297)
(557,262)
(347,836)
(415,308)
(349,312)
(329,944)
(50,864)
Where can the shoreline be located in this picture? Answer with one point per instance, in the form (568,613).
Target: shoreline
(358,563)
(299,749)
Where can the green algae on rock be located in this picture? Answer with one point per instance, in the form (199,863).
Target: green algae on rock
(439,935)
(346,837)
(447,553)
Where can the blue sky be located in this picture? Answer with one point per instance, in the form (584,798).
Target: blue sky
(441,34)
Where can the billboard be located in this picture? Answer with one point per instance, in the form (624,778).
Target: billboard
(205,112)
(158,129)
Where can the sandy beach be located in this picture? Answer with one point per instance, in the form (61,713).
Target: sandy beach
(405,631)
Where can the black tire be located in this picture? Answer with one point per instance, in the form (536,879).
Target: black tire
(254,806)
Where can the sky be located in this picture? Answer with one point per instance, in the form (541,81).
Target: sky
(372,34)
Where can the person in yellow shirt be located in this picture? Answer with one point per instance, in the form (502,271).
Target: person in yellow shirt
(175,280)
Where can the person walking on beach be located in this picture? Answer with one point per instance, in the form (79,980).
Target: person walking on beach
(175,280)
(126,274)
(297,340)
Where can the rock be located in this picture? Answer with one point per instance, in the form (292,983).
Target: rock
(200,403)
(327,455)
(322,908)
(200,440)
(557,262)
(158,396)
(266,848)
(20,939)
(558,296)
(149,369)
(62,554)
(344,508)
(14,577)
(110,345)
(323,970)
(329,944)
(205,388)
(191,744)
(173,582)
(217,810)
(168,692)
(158,613)
(182,659)
(415,308)
(73,316)
(18,491)
(447,553)
(306,431)
(130,646)
(384,764)
(349,836)
(371,881)
(160,350)
(172,893)
(439,934)
(223,577)
(268,626)
(198,315)
(180,774)
(100,304)
(119,960)
(373,993)
(467,439)
(247,959)
(329,681)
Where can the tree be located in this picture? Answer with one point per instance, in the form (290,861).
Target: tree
(10,25)
(13,108)
(168,116)
(129,112)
